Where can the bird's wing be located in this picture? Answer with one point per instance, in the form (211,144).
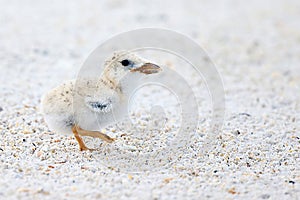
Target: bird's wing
(101,102)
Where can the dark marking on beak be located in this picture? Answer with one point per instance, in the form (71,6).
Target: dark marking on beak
(147,68)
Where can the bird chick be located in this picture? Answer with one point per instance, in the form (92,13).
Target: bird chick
(82,106)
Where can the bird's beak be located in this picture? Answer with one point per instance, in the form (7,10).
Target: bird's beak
(147,68)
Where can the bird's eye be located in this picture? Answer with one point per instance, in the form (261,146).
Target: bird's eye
(125,62)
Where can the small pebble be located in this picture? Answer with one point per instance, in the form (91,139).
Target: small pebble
(265,196)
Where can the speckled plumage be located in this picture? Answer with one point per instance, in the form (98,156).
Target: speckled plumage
(92,104)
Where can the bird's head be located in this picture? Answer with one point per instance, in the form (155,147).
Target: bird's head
(127,66)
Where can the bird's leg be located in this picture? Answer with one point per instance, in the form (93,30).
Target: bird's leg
(82,146)
(95,134)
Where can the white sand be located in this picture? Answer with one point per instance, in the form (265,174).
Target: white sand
(256,48)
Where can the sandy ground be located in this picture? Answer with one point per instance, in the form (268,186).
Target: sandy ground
(256,47)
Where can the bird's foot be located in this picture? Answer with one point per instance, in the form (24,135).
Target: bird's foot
(86,149)
(82,146)
(108,139)
(95,134)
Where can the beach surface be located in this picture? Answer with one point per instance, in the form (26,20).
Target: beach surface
(255,46)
